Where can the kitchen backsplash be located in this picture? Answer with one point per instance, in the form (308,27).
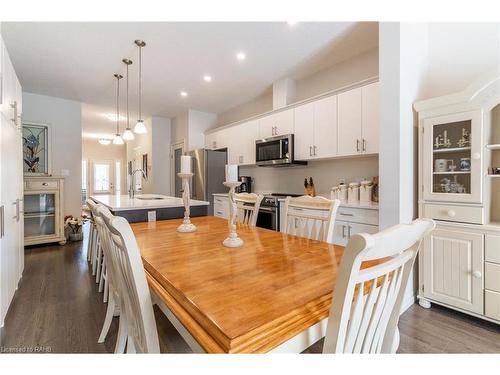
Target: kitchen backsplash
(325,173)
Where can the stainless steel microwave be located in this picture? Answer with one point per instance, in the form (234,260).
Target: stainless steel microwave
(276,151)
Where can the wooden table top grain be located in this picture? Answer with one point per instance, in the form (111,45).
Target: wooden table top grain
(248,299)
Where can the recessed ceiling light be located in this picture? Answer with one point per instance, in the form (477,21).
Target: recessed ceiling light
(184,94)
(112,116)
(207,78)
(241,56)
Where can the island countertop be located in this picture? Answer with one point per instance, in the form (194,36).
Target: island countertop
(125,203)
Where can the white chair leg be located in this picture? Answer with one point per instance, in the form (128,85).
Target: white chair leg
(106,289)
(95,254)
(107,320)
(99,263)
(89,242)
(130,346)
(103,275)
(121,339)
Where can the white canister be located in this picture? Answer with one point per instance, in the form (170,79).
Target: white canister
(334,193)
(342,191)
(353,192)
(365,191)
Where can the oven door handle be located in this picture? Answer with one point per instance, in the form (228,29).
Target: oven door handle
(267,209)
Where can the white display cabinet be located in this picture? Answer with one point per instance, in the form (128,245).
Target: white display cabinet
(459,187)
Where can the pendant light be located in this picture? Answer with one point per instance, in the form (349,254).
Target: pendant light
(140,128)
(118,140)
(127,134)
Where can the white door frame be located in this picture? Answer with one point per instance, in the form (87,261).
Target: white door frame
(111,162)
(174,146)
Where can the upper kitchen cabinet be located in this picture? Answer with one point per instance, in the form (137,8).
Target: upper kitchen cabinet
(279,123)
(316,129)
(358,119)
(370,118)
(241,146)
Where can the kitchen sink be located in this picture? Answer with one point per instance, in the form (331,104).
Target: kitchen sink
(150,197)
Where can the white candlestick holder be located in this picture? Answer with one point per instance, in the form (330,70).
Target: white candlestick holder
(232,240)
(186,226)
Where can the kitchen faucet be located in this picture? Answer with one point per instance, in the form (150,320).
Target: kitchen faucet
(131,189)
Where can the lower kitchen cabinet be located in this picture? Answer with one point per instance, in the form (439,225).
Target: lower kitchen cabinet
(343,230)
(453,269)
(221,208)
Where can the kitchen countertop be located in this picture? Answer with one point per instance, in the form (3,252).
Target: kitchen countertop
(124,203)
(368,206)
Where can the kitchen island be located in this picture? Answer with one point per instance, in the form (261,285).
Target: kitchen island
(149,207)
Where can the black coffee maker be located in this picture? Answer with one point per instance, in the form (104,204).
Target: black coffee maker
(246,184)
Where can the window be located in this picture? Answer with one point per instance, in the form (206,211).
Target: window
(102,174)
(118,176)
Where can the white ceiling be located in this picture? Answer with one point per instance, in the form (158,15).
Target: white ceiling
(77,60)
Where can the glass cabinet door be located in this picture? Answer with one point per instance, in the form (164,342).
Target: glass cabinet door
(40,214)
(453,158)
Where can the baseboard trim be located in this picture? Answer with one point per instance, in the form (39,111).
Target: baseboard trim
(408,301)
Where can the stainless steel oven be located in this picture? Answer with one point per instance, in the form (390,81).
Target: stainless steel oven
(268,217)
(275,151)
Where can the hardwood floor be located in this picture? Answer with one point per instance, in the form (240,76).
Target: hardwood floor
(58,309)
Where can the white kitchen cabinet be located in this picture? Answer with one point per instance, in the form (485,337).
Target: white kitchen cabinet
(350,221)
(211,141)
(241,144)
(278,123)
(221,206)
(11,184)
(370,118)
(453,269)
(316,129)
(304,131)
(358,121)
(325,127)
(349,122)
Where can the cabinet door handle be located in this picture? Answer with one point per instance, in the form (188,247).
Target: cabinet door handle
(357,145)
(344,214)
(310,151)
(364,144)
(343,231)
(240,159)
(314,148)
(16,203)
(348,231)
(477,274)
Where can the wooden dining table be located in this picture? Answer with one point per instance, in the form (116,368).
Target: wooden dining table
(271,294)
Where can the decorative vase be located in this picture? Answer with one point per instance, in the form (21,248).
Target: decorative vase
(76,236)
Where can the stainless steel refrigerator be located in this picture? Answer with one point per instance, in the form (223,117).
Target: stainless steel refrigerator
(209,174)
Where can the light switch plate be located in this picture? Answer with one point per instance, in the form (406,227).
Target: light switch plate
(151,215)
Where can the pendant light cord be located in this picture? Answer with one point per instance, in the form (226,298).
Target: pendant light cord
(117,105)
(140,82)
(128,123)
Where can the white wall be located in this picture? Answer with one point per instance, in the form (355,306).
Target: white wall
(325,173)
(161,127)
(198,123)
(93,151)
(353,70)
(64,117)
(156,144)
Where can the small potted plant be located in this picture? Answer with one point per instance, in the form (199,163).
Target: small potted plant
(74,227)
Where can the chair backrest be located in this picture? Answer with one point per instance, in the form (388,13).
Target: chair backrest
(367,302)
(107,244)
(133,286)
(310,217)
(92,207)
(248,205)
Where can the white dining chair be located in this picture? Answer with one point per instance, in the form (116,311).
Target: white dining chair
(137,321)
(114,301)
(98,259)
(248,205)
(92,234)
(310,217)
(361,322)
